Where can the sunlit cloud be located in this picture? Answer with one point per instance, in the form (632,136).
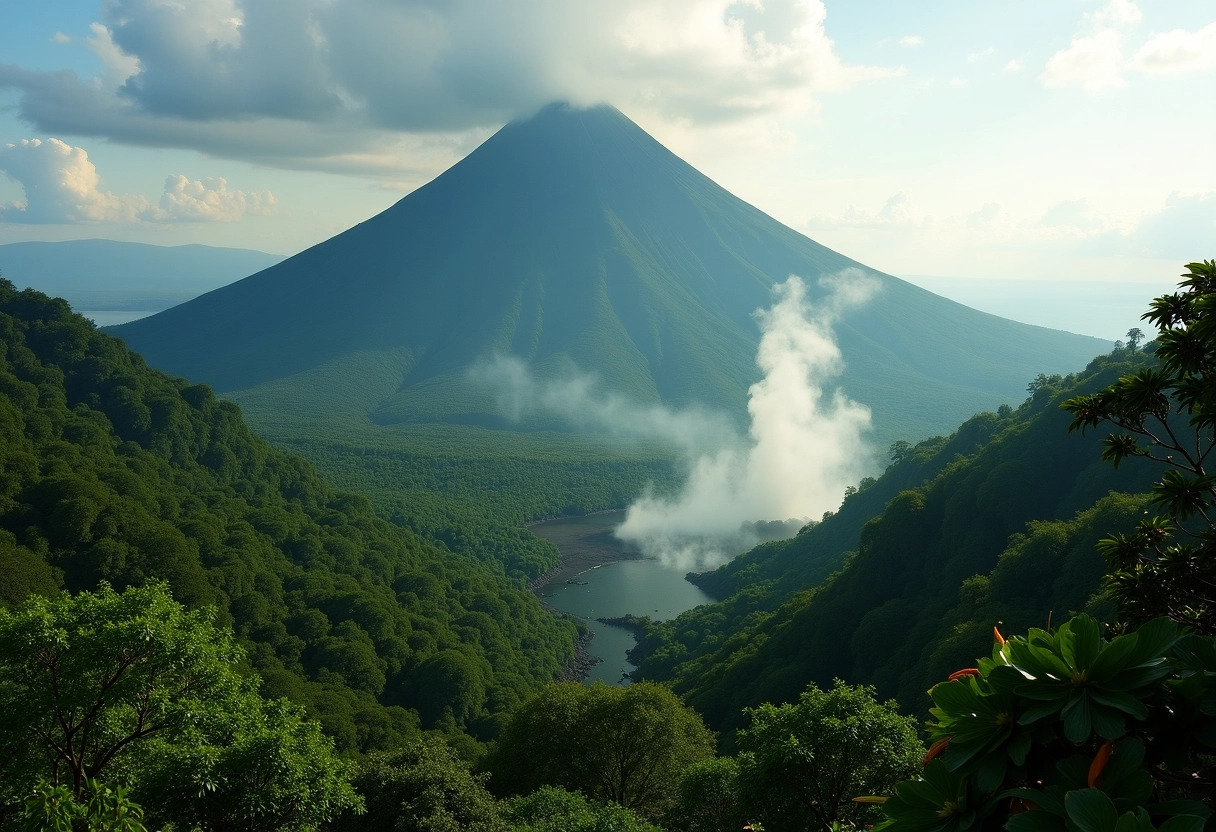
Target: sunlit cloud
(331,84)
(1177,52)
(61,185)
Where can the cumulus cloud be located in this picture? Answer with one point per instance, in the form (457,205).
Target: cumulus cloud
(208,200)
(806,440)
(1177,52)
(1094,63)
(240,78)
(1094,58)
(911,41)
(62,185)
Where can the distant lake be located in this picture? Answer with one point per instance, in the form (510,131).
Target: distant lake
(114,317)
(637,586)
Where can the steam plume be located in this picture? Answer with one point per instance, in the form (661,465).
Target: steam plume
(806,440)
(805,443)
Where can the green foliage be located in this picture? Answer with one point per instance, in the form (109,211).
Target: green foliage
(1167,413)
(421,787)
(627,746)
(1071,731)
(801,764)
(550,809)
(97,808)
(996,523)
(135,688)
(112,471)
(85,681)
(710,798)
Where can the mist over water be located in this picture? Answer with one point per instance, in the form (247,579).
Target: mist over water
(805,444)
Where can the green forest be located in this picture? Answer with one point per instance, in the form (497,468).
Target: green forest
(198,630)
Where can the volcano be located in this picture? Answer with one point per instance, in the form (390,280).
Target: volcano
(573,239)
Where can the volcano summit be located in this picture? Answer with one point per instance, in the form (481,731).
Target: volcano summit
(573,239)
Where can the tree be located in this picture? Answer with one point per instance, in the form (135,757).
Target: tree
(801,764)
(627,746)
(423,787)
(1167,413)
(709,798)
(550,809)
(109,686)
(1134,337)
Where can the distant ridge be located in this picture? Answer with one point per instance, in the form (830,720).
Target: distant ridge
(574,238)
(107,274)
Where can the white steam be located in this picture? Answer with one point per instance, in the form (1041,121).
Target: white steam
(577,399)
(804,446)
(806,439)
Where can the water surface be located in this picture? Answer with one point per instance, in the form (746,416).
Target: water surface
(637,586)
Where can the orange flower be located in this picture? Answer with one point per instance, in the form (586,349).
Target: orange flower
(966,671)
(1000,639)
(934,750)
(1099,763)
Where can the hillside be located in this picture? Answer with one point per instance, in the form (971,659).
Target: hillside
(573,241)
(116,472)
(994,525)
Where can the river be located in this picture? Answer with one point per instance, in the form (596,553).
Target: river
(603,578)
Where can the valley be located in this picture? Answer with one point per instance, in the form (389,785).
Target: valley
(372,488)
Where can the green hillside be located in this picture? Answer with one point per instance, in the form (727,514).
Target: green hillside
(116,472)
(573,240)
(995,524)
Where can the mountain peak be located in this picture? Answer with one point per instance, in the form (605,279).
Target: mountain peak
(574,238)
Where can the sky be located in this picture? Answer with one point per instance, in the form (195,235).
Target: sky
(1009,150)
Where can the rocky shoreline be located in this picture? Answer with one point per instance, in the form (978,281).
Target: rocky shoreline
(580,666)
(584,546)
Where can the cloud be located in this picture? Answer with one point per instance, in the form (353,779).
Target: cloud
(1182,231)
(1179,231)
(207,200)
(329,83)
(1014,65)
(1094,63)
(980,55)
(1115,13)
(61,185)
(911,41)
(1177,52)
(897,211)
(805,444)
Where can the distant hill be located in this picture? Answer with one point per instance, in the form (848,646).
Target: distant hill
(573,238)
(111,275)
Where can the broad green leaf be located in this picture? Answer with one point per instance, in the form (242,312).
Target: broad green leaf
(1091,810)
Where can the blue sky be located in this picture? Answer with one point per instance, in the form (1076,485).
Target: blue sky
(1046,141)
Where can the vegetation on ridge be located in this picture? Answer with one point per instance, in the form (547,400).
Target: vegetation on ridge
(116,472)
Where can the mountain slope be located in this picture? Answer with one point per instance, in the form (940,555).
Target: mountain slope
(574,238)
